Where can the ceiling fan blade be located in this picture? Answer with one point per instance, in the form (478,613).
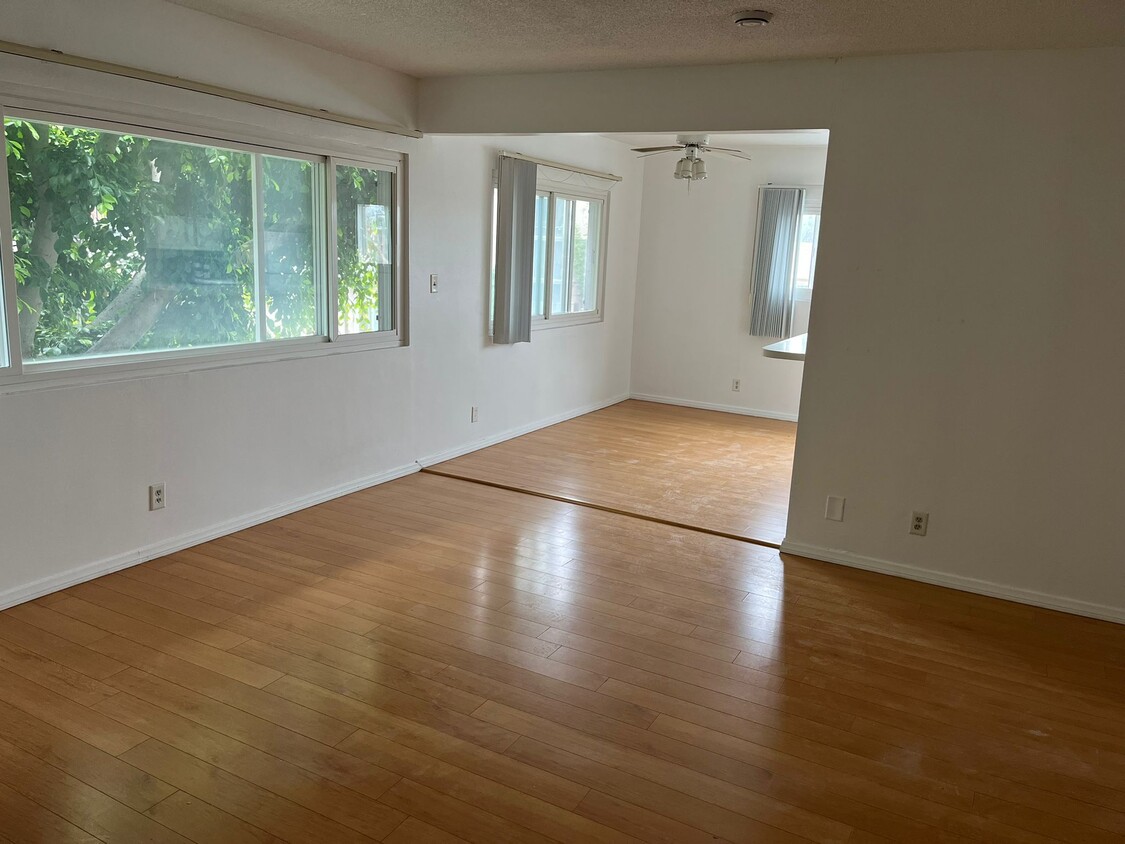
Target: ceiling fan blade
(718,149)
(658,149)
(733,153)
(651,154)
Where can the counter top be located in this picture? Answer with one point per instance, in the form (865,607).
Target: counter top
(791,349)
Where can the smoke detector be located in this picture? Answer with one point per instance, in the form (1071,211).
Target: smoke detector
(752,18)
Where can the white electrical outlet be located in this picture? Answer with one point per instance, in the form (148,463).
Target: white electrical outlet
(433,282)
(156,497)
(834,508)
(919,522)
(473,415)
(736,385)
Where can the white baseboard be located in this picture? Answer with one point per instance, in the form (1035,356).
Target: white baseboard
(53,583)
(724,408)
(511,433)
(956,581)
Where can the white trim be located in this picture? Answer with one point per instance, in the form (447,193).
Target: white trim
(722,408)
(55,582)
(957,581)
(215,357)
(573,168)
(81,574)
(512,433)
(115,69)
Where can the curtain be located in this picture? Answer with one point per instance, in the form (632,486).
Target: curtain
(779,213)
(515,245)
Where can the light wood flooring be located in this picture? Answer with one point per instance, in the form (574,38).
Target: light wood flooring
(433,660)
(720,472)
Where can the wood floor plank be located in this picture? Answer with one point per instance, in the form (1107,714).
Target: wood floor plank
(83,761)
(26,821)
(234,795)
(201,822)
(414,831)
(353,807)
(80,721)
(456,816)
(146,696)
(374,723)
(720,471)
(247,698)
(173,643)
(436,660)
(74,801)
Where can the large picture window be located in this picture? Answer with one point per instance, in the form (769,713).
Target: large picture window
(129,245)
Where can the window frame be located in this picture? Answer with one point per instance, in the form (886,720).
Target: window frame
(19,375)
(368,339)
(553,189)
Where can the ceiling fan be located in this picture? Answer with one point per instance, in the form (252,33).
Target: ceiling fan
(691,166)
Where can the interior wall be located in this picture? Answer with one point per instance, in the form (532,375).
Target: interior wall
(170,39)
(964,350)
(243,443)
(690,334)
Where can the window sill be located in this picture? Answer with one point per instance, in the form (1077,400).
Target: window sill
(539,324)
(83,373)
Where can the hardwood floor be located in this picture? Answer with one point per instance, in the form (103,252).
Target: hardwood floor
(720,472)
(433,660)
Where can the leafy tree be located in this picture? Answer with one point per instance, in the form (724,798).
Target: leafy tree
(131,243)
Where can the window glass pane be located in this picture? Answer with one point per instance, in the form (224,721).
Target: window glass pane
(808,233)
(365,249)
(539,258)
(576,258)
(289,254)
(564,240)
(585,257)
(125,243)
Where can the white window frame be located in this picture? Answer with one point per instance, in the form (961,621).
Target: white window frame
(18,376)
(396,336)
(553,189)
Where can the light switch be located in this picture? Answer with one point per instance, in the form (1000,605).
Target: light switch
(834,508)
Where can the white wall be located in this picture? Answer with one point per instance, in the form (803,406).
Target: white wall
(965,353)
(165,38)
(247,442)
(690,333)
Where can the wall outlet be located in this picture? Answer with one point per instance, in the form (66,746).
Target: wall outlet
(473,415)
(834,508)
(919,522)
(156,497)
(736,385)
(433,282)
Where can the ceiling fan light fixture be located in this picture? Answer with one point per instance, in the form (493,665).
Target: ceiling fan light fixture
(698,170)
(754,17)
(683,169)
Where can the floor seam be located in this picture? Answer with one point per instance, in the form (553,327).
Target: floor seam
(605,508)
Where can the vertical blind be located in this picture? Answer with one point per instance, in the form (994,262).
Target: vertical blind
(515,245)
(771,296)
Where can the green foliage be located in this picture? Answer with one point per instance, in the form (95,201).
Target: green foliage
(168,226)
(358,277)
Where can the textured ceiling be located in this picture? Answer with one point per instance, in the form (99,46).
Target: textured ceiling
(448,37)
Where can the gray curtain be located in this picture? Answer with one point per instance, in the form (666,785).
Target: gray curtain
(515,244)
(771,297)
